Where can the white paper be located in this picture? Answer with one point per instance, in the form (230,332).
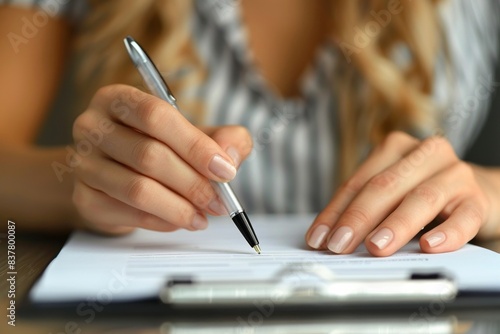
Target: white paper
(136,266)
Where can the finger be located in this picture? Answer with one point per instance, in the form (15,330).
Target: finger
(234,140)
(109,215)
(140,192)
(393,149)
(160,120)
(384,192)
(420,207)
(153,158)
(462,225)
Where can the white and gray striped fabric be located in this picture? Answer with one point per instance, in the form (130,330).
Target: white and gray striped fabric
(292,166)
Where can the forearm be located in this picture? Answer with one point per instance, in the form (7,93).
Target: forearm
(31,194)
(489,180)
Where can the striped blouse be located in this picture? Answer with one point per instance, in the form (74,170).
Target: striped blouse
(292,166)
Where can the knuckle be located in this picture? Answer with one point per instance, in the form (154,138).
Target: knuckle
(404,221)
(396,138)
(151,111)
(79,198)
(184,215)
(105,91)
(353,185)
(430,195)
(240,131)
(441,145)
(356,215)
(483,203)
(145,220)
(147,155)
(83,122)
(330,214)
(243,136)
(137,191)
(383,181)
(84,166)
(465,170)
(116,92)
(85,204)
(200,194)
(151,222)
(112,90)
(103,94)
(473,215)
(417,157)
(196,146)
(166,227)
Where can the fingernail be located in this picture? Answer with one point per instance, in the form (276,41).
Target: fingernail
(340,239)
(199,222)
(217,207)
(222,168)
(234,154)
(318,236)
(382,238)
(435,239)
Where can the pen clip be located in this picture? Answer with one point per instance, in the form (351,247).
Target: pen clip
(155,82)
(316,270)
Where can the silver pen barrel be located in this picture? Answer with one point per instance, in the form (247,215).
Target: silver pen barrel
(228,198)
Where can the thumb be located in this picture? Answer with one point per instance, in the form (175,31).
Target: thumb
(235,140)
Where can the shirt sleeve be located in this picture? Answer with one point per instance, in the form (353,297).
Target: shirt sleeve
(73,10)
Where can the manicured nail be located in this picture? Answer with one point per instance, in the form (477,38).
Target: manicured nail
(217,207)
(222,168)
(382,238)
(340,239)
(199,222)
(435,239)
(234,154)
(318,236)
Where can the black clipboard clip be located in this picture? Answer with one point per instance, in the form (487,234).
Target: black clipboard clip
(319,286)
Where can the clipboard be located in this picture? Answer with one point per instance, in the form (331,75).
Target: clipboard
(325,290)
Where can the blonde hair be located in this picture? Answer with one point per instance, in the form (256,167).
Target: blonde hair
(161,26)
(376,95)
(391,96)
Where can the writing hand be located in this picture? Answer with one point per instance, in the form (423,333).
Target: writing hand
(151,167)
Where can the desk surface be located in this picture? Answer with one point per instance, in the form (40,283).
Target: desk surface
(34,253)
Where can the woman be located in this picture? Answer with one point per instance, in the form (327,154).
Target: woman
(332,92)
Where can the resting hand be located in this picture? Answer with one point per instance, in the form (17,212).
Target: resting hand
(146,166)
(403,186)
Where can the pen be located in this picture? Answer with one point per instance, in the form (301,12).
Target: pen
(155,83)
